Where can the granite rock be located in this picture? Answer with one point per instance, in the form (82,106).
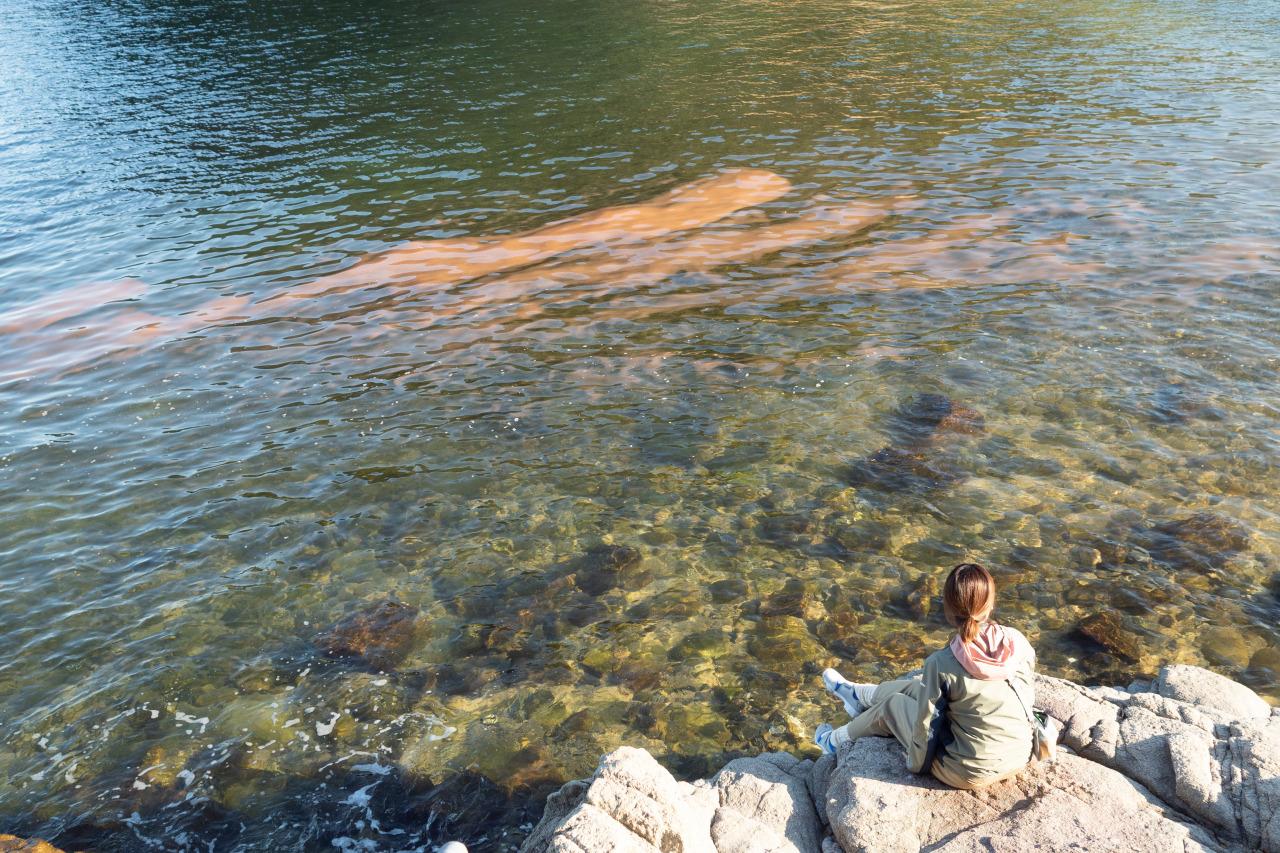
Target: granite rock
(876,806)
(1183,763)
(765,806)
(1203,757)
(631,804)
(1202,687)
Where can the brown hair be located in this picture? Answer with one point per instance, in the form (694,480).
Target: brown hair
(968,593)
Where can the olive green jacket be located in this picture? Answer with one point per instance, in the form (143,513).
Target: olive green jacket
(978,729)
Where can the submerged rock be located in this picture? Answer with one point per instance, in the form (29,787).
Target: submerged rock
(14,844)
(678,602)
(929,415)
(1203,541)
(1177,404)
(916,600)
(778,639)
(707,645)
(839,631)
(729,590)
(786,529)
(898,469)
(1106,628)
(607,567)
(913,462)
(796,598)
(378,635)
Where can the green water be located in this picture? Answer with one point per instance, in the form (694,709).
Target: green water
(1088,259)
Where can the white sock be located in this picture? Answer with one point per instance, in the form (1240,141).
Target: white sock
(864,692)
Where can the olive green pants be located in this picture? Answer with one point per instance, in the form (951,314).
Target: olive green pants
(893,714)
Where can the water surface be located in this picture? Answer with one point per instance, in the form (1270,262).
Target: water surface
(201,475)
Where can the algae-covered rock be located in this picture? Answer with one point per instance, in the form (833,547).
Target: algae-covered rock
(930,416)
(378,635)
(796,598)
(707,645)
(779,639)
(1107,629)
(1202,541)
(607,567)
(14,844)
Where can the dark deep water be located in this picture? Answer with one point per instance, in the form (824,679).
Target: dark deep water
(639,493)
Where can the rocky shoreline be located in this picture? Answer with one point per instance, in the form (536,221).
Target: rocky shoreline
(1189,762)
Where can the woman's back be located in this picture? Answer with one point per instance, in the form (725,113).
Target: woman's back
(987,731)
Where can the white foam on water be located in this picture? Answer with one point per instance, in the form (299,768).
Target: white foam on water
(323,729)
(379,769)
(203,722)
(373,755)
(360,798)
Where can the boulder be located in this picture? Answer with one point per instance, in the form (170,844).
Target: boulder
(875,805)
(765,807)
(631,804)
(1154,772)
(558,808)
(1208,689)
(1202,758)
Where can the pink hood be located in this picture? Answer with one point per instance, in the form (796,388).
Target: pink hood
(995,654)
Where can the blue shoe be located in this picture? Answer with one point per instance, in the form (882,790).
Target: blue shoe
(829,739)
(823,737)
(844,689)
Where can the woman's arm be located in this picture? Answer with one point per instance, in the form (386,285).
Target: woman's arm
(931,719)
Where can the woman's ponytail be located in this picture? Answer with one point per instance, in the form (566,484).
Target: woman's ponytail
(968,597)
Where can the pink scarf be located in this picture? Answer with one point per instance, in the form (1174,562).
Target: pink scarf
(995,654)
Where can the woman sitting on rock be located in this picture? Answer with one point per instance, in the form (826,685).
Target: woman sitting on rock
(967,720)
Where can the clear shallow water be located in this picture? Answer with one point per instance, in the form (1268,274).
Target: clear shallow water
(1081,247)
